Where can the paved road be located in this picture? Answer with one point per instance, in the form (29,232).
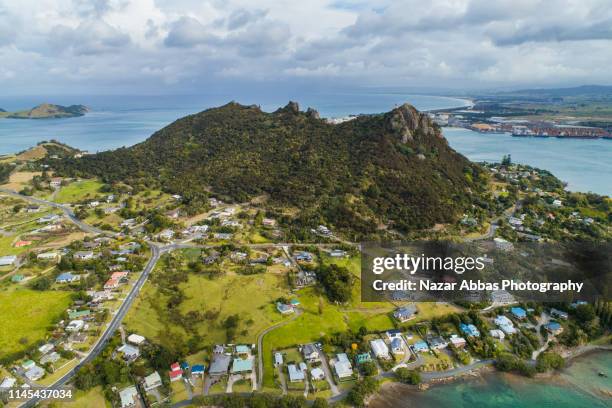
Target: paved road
(260,345)
(66,209)
(114,324)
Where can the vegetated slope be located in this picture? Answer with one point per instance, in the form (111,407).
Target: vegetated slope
(49,111)
(393,169)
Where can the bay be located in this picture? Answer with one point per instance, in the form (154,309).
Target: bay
(579,385)
(586,165)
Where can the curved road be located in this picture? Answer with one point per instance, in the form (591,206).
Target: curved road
(66,209)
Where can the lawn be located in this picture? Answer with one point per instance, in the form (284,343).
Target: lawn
(78,191)
(86,399)
(36,312)
(250,297)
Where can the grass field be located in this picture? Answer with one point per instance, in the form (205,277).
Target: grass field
(250,297)
(77,191)
(86,399)
(26,316)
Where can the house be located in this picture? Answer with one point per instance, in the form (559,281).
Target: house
(20,244)
(93,204)
(83,255)
(436,342)
(48,256)
(457,341)
(32,208)
(405,313)
(75,325)
(393,334)
(8,382)
(397,345)
(283,308)
(111,284)
(380,349)
(99,296)
(220,364)
(197,370)
(166,234)
(317,374)
(79,314)
(48,218)
(323,230)
(66,277)
(268,222)
(337,253)
(8,260)
(222,235)
(49,358)
(302,256)
(135,339)
(502,297)
(559,313)
(505,324)
(175,372)
(278,359)
(554,328)
(152,381)
(502,244)
(17,278)
(518,312)
(295,374)
(242,349)
(420,346)
(363,358)
(242,365)
(26,365)
(557,203)
(497,334)
(469,330)
(130,353)
(45,348)
(343,367)
(77,338)
(294,302)
(34,373)
(174,214)
(128,397)
(310,352)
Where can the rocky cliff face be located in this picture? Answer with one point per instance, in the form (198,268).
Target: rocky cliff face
(405,120)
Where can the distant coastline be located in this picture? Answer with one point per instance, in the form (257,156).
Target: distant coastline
(46,111)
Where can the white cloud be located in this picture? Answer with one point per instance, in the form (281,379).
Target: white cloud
(129,45)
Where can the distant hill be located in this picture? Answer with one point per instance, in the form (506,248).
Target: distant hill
(392,170)
(583,90)
(47,111)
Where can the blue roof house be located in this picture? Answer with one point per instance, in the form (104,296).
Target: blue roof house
(518,312)
(420,346)
(469,330)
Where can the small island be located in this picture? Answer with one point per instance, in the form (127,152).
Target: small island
(47,111)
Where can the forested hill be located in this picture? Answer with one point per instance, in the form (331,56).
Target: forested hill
(393,169)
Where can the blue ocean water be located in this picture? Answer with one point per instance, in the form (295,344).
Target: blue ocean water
(586,165)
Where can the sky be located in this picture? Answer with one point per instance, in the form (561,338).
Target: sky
(191,46)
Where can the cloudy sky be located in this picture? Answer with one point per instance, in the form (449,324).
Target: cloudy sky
(184,46)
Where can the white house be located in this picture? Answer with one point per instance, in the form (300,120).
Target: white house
(343,367)
(48,256)
(136,339)
(497,334)
(128,396)
(380,349)
(75,325)
(152,381)
(8,260)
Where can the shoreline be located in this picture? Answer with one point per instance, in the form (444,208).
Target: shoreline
(478,372)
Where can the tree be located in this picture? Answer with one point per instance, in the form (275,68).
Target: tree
(408,376)
(506,160)
(549,361)
(369,368)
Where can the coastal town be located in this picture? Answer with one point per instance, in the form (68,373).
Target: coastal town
(149,304)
